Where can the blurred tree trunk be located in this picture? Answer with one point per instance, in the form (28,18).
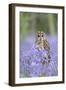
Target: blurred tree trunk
(33,19)
(51,24)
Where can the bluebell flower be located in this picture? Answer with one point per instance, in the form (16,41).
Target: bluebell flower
(34,63)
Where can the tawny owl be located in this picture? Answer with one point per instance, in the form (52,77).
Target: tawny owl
(41,41)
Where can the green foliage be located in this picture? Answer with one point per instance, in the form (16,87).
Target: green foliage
(46,22)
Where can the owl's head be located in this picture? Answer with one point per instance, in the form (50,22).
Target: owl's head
(40,35)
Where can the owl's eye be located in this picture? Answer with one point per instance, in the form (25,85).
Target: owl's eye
(38,35)
(42,35)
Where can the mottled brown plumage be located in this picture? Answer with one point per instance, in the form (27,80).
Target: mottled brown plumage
(41,41)
(46,45)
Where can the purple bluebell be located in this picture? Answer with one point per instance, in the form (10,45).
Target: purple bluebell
(34,63)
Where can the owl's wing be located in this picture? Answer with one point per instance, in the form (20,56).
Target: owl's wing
(46,45)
